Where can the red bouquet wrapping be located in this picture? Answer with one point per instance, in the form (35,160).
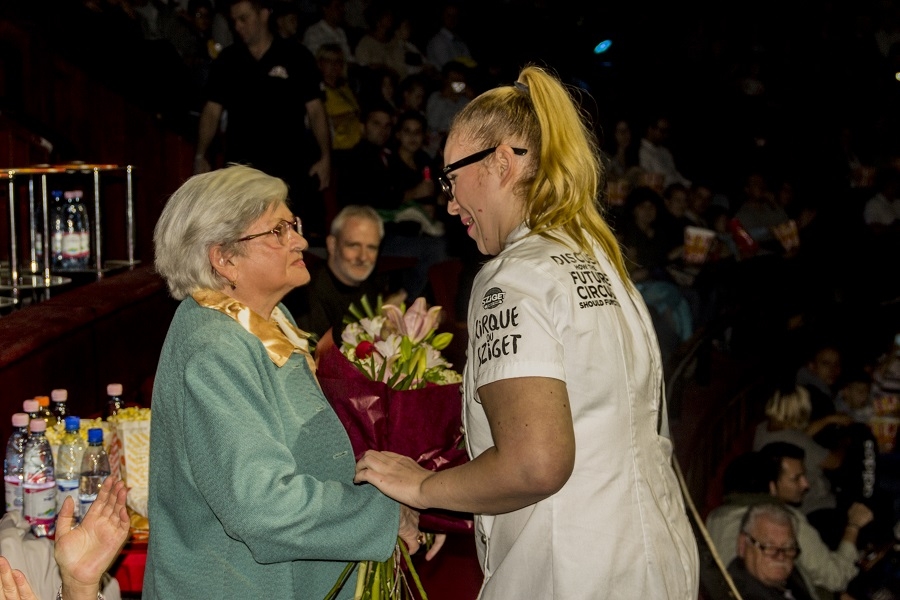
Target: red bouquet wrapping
(424,424)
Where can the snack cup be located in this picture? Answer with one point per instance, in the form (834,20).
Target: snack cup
(886,404)
(697,243)
(885,431)
(787,234)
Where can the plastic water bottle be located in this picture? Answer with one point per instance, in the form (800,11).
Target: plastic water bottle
(44,410)
(114,401)
(68,464)
(38,482)
(12,464)
(59,406)
(57,228)
(94,470)
(32,409)
(71,232)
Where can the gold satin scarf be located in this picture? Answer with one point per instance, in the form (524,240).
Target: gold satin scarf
(280,337)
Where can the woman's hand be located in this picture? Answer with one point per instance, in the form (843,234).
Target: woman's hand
(397,476)
(85,552)
(13,583)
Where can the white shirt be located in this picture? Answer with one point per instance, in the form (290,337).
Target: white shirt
(322,33)
(881,211)
(617,528)
(658,159)
(444,46)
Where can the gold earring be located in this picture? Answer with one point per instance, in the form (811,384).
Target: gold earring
(233,284)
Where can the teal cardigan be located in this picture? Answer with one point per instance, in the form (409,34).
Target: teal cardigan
(251,473)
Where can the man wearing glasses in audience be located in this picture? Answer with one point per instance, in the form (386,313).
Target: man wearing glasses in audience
(766,547)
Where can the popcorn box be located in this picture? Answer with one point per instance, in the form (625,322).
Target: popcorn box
(130,454)
(697,243)
(885,431)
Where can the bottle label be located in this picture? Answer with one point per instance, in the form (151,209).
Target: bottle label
(67,488)
(85,500)
(39,503)
(13,487)
(71,245)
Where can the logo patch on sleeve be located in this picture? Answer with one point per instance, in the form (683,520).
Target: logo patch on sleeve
(492,298)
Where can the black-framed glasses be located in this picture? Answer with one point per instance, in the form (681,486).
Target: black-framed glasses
(280,231)
(772,551)
(468,160)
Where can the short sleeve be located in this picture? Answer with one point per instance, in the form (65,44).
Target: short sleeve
(515,312)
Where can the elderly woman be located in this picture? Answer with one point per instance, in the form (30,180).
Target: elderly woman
(571,476)
(251,472)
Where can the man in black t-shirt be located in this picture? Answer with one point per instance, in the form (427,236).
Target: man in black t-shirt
(275,120)
(347,276)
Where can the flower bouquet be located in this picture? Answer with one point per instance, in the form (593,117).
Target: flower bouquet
(393,390)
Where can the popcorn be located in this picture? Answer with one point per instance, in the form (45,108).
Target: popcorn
(130,454)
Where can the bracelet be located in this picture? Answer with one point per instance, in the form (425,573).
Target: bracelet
(59,595)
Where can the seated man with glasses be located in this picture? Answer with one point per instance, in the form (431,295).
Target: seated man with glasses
(766,547)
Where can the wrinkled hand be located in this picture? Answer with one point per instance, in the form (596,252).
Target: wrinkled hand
(397,476)
(85,552)
(409,529)
(13,583)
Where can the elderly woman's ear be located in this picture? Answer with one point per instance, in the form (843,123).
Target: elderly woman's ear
(221,263)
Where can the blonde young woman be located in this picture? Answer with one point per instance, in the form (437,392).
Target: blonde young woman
(571,474)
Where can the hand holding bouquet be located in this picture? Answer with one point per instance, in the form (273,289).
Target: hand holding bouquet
(393,390)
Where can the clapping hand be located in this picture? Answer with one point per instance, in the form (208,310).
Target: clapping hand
(85,552)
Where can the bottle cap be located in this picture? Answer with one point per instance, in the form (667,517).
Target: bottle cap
(43,400)
(114,389)
(73,194)
(95,435)
(20,420)
(37,425)
(30,406)
(73,423)
(59,395)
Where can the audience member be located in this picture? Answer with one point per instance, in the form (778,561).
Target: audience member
(347,275)
(329,29)
(758,212)
(414,60)
(673,219)
(700,197)
(413,226)
(443,104)
(881,212)
(819,375)
(83,552)
(767,546)
(375,47)
(366,178)
(624,155)
(412,92)
(270,87)
(787,420)
(790,486)
(341,103)
(655,157)
(446,45)
(646,258)
(777,474)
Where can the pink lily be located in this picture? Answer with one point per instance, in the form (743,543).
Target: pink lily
(418,321)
